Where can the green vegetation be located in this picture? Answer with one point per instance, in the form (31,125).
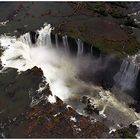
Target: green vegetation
(117,14)
(129,22)
(40,120)
(128,134)
(56,119)
(101,11)
(121,49)
(98,8)
(119,4)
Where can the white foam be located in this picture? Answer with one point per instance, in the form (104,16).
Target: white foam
(137,123)
(112,130)
(73,119)
(21,54)
(51,99)
(4,23)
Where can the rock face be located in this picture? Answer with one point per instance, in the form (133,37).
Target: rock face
(38,117)
(28,111)
(60,121)
(33,36)
(90,108)
(15,89)
(136,106)
(128,132)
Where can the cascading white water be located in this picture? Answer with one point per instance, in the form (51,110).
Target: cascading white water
(21,54)
(56,41)
(60,70)
(26,39)
(65,43)
(80,45)
(44,38)
(127,75)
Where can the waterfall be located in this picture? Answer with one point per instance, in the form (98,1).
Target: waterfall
(56,41)
(127,75)
(60,71)
(44,38)
(26,39)
(65,43)
(21,54)
(80,45)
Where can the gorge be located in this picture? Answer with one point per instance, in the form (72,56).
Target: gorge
(74,71)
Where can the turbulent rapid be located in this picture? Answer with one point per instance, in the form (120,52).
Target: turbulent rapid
(61,72)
